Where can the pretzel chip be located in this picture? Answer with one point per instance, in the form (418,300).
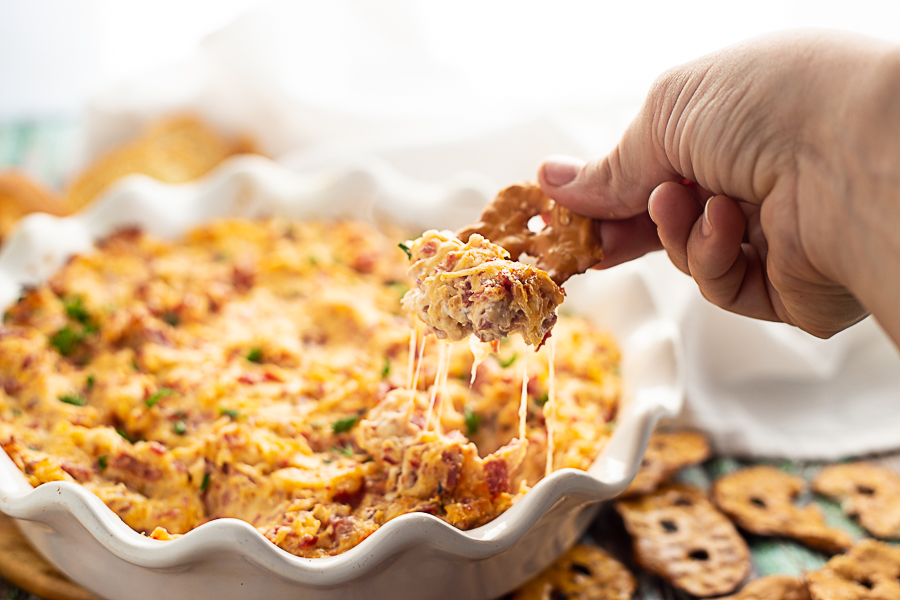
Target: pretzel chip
(568,244)
(667,452)
(867,492)
(869,571)
(20,196)
(583,573)
(772,587)
(761,500)
(175,150)
(680,536)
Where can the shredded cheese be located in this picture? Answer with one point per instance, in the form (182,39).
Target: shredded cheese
(411,361)
(480,351)
(415,383)
(523,405)
(550,405)
(438,377)
(442,386)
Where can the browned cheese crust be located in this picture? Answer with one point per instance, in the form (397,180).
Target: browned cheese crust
(680,536)
(761,500)
(667,452)
(773,587)
(473,288)
(568,244)
(583,573)
(869,571)
(867,492)
(259,370)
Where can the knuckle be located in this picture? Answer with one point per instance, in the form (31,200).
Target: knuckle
(607,175)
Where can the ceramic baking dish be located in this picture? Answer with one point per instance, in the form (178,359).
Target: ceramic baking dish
(413,556)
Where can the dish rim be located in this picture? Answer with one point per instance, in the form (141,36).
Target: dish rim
(27,259)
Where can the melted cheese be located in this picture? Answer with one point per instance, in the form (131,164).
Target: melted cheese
(415,383)
(550,404)
(480,352)
(523,404)
(439,378)
(411,358)
(254,370)
(474,289)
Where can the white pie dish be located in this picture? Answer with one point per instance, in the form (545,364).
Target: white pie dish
(413,556)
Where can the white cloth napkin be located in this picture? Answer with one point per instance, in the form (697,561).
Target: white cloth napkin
(759,389)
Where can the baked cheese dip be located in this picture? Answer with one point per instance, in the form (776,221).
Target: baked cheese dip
(472,288)
(264,370)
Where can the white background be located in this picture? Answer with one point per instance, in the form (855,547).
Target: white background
(55,54)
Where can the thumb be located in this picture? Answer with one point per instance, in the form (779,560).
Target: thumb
(619,185)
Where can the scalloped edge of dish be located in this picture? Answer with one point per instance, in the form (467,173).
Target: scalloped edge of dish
(254,187)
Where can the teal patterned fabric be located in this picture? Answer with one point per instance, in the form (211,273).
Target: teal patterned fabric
(770,555)
(42,149)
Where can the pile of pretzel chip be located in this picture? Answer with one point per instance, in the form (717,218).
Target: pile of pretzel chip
(694,540)
(176,149)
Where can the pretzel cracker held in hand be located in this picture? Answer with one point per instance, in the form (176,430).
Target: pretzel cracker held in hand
(569,244)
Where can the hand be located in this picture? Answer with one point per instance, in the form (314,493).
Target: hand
(793,141)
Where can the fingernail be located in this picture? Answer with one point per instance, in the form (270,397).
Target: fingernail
(650,204)
(706,224)
(560,170)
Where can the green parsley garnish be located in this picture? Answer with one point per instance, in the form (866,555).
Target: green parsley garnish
(545,397)
(102,463)
(509,361)
(204,485)
(73,400)
(255,355)
(125,435)
(134,365)
(230,412)
(386,368)
(89,382)
(75,310)
(405,248)
(345,424)
(172,318)
(179,427)
(163,392)
(65,341)
(473,421)
(344,450)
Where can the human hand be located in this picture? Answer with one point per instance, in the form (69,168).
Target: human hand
(793,141)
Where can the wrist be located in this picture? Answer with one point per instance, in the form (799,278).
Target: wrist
(864,203)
